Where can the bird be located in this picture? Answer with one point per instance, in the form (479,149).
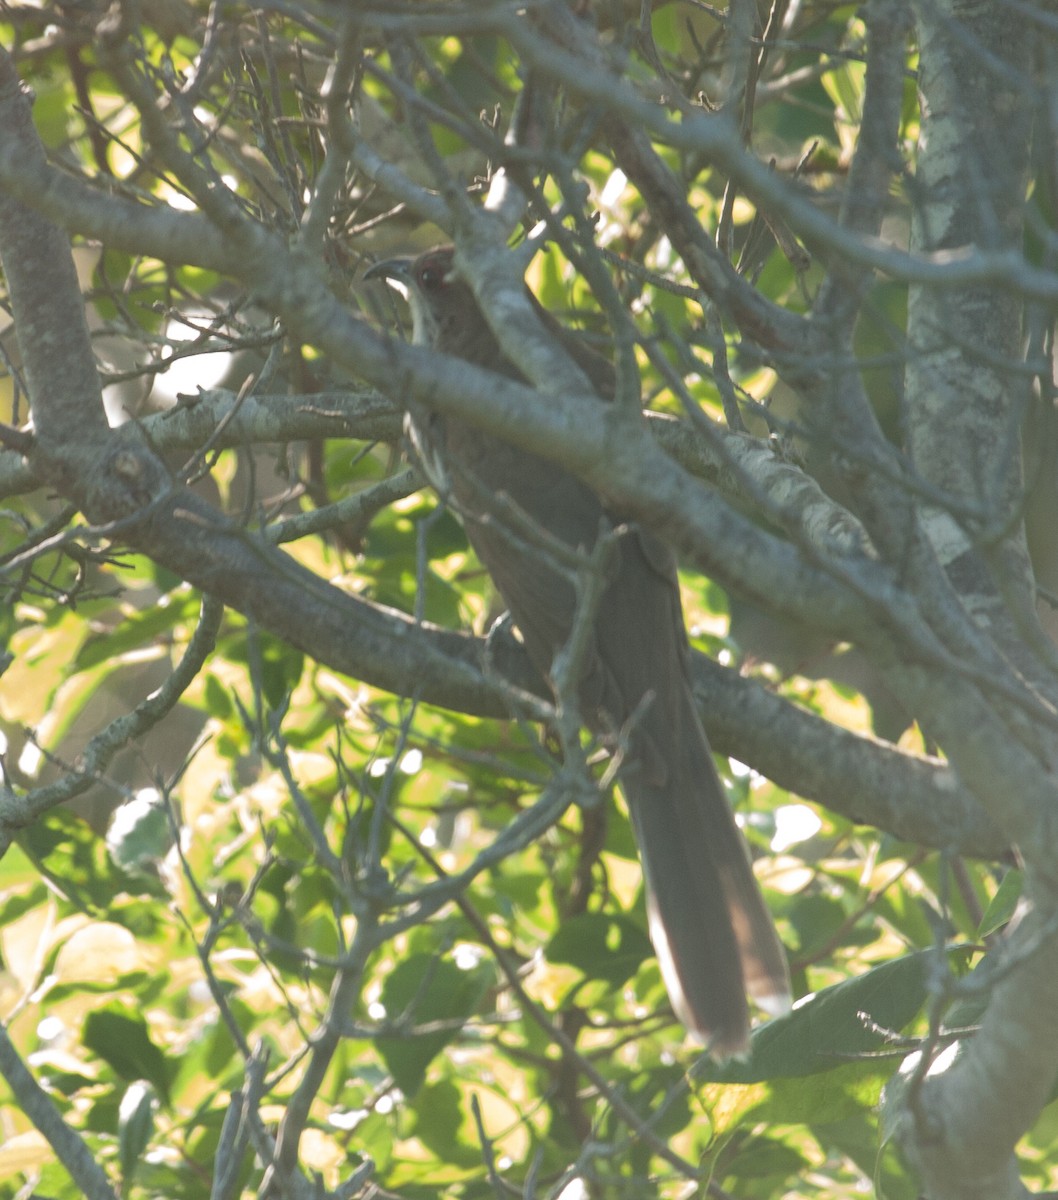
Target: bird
(710,928)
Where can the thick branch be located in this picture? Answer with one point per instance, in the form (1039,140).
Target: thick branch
(967,390)
(868,781)
(963,1126)
(40,1109)
(45,297)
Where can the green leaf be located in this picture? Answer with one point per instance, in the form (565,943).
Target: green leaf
(135,1126)
(280,665)
(120,1037)
(845,86)
(73,857)
(765,1160)
(659,1091)
(217,699)
(602,946)
(422,990)
(441,1124)
(1004,902)
(842,1022)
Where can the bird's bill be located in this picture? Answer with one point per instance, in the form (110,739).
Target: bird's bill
(395,271)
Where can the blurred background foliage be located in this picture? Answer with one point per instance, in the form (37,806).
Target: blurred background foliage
(199,903)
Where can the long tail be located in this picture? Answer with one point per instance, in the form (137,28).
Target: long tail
(712,933)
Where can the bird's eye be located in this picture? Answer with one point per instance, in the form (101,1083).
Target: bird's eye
(432,277)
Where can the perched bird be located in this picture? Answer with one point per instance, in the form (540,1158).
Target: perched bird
(712,933)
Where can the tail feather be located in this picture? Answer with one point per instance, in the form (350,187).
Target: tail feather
(712,933)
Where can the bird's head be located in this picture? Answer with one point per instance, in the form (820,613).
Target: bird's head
(433,288)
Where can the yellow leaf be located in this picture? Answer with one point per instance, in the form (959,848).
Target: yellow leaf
(24,1152)
(100,953)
